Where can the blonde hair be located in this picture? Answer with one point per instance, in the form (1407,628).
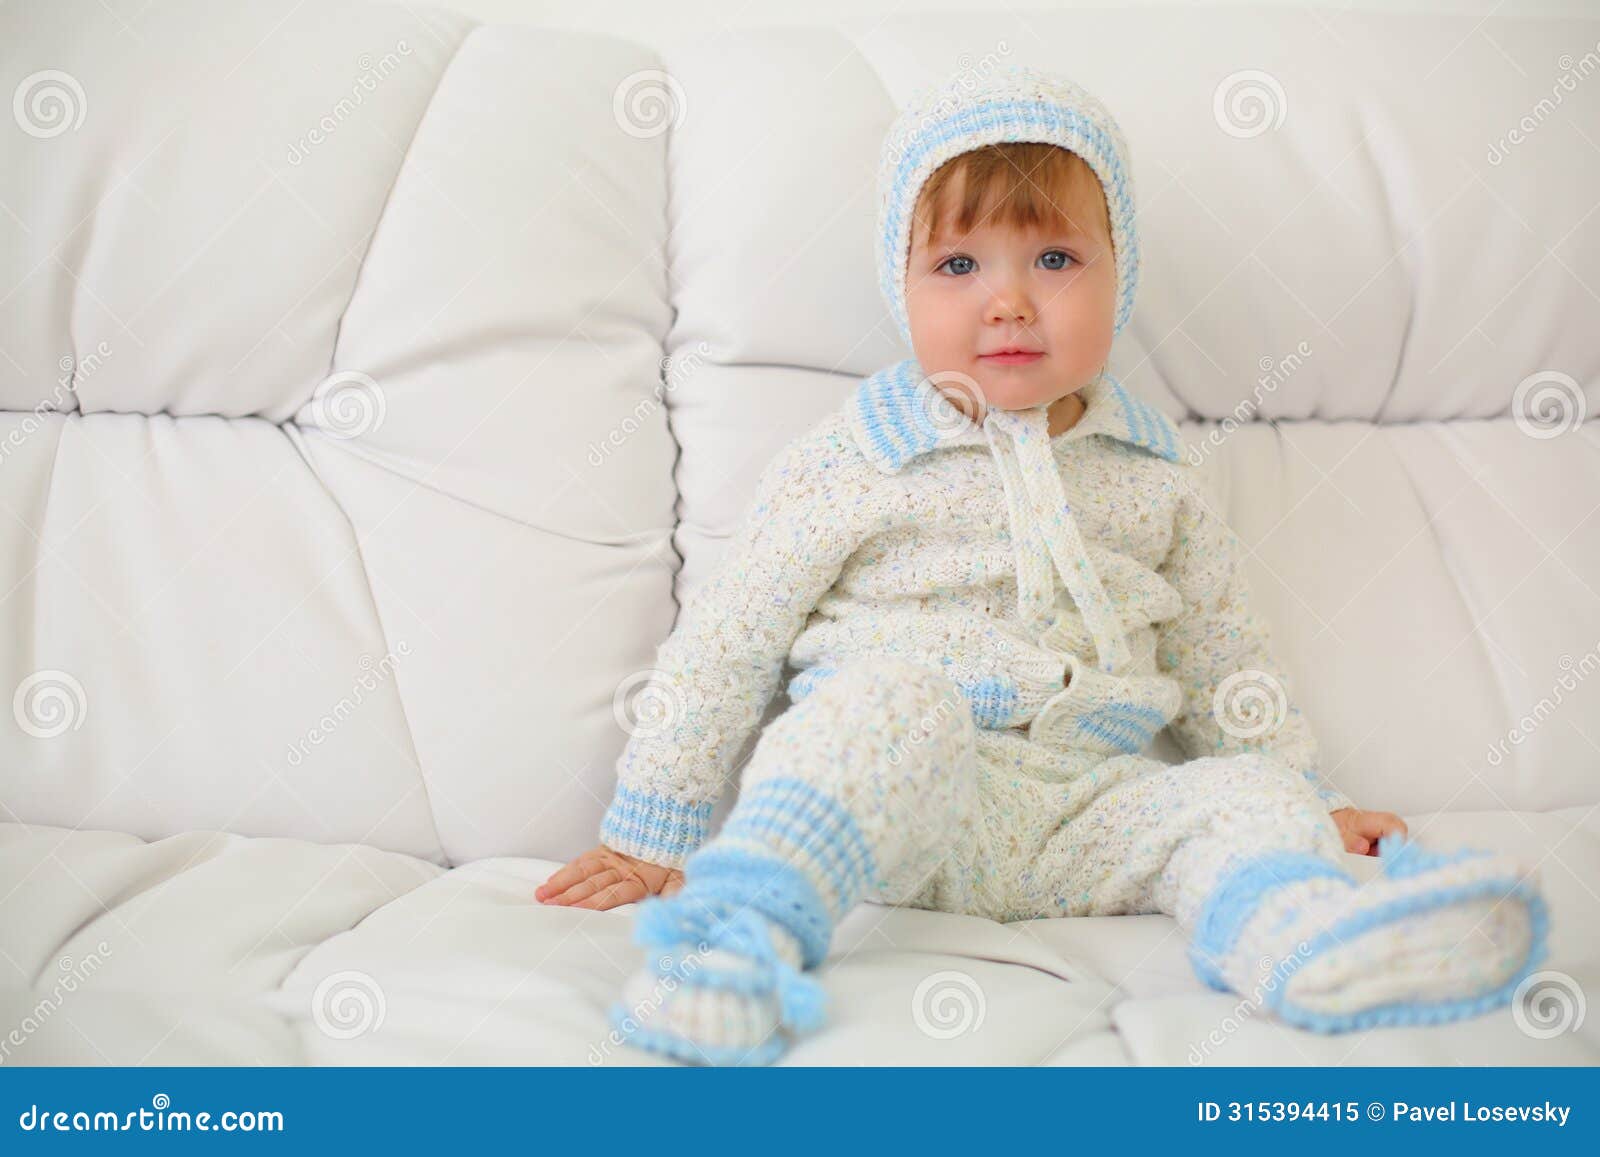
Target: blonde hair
(1017,183)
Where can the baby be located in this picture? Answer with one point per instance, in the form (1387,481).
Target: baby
(998,581)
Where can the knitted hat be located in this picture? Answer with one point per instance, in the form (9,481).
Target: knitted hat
(1010,104)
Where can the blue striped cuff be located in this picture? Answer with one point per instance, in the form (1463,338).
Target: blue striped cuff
(658,828)
(1328,794)
(1234,897)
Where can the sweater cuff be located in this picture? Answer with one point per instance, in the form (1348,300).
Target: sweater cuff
(1113,714)
(657,828)
(1332,797)
(1016,692)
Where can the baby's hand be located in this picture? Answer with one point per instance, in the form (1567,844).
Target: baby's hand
(1362,830)
(603,878)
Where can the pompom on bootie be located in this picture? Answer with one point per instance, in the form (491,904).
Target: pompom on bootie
(725,986)
(1435,938)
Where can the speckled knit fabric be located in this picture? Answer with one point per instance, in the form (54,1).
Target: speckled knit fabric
(888,530)
(879,786)
(989,627)
(1435,938)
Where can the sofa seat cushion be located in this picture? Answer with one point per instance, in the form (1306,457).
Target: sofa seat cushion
(209,948)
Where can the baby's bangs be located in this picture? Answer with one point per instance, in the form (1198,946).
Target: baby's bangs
(1021,185)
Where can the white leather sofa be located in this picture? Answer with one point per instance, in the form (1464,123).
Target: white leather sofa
(375,383)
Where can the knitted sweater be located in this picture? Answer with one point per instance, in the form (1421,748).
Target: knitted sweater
(891,528)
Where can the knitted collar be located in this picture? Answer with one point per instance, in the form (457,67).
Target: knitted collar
(896,415)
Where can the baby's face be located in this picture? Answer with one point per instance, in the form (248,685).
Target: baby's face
(1051,290)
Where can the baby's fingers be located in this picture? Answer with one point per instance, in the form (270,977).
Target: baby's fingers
(624,891)
(1375,825)
(586,887)
(565,878)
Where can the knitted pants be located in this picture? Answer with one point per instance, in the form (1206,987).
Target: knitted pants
(879,786)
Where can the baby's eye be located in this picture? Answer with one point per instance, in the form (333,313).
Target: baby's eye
(958,257)
(1054,253)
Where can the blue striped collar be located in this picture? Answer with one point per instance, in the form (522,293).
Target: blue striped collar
(896,415)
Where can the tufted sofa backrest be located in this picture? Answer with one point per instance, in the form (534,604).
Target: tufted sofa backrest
(366,373)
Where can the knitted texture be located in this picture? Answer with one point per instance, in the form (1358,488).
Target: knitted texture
(889,530)
(1011,103)
(722,986)
(1436,938)
(1007,560)
(989,625)
(825,796)
(878,786)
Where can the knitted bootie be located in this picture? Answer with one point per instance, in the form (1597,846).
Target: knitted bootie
(724,986)
(1435,938)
